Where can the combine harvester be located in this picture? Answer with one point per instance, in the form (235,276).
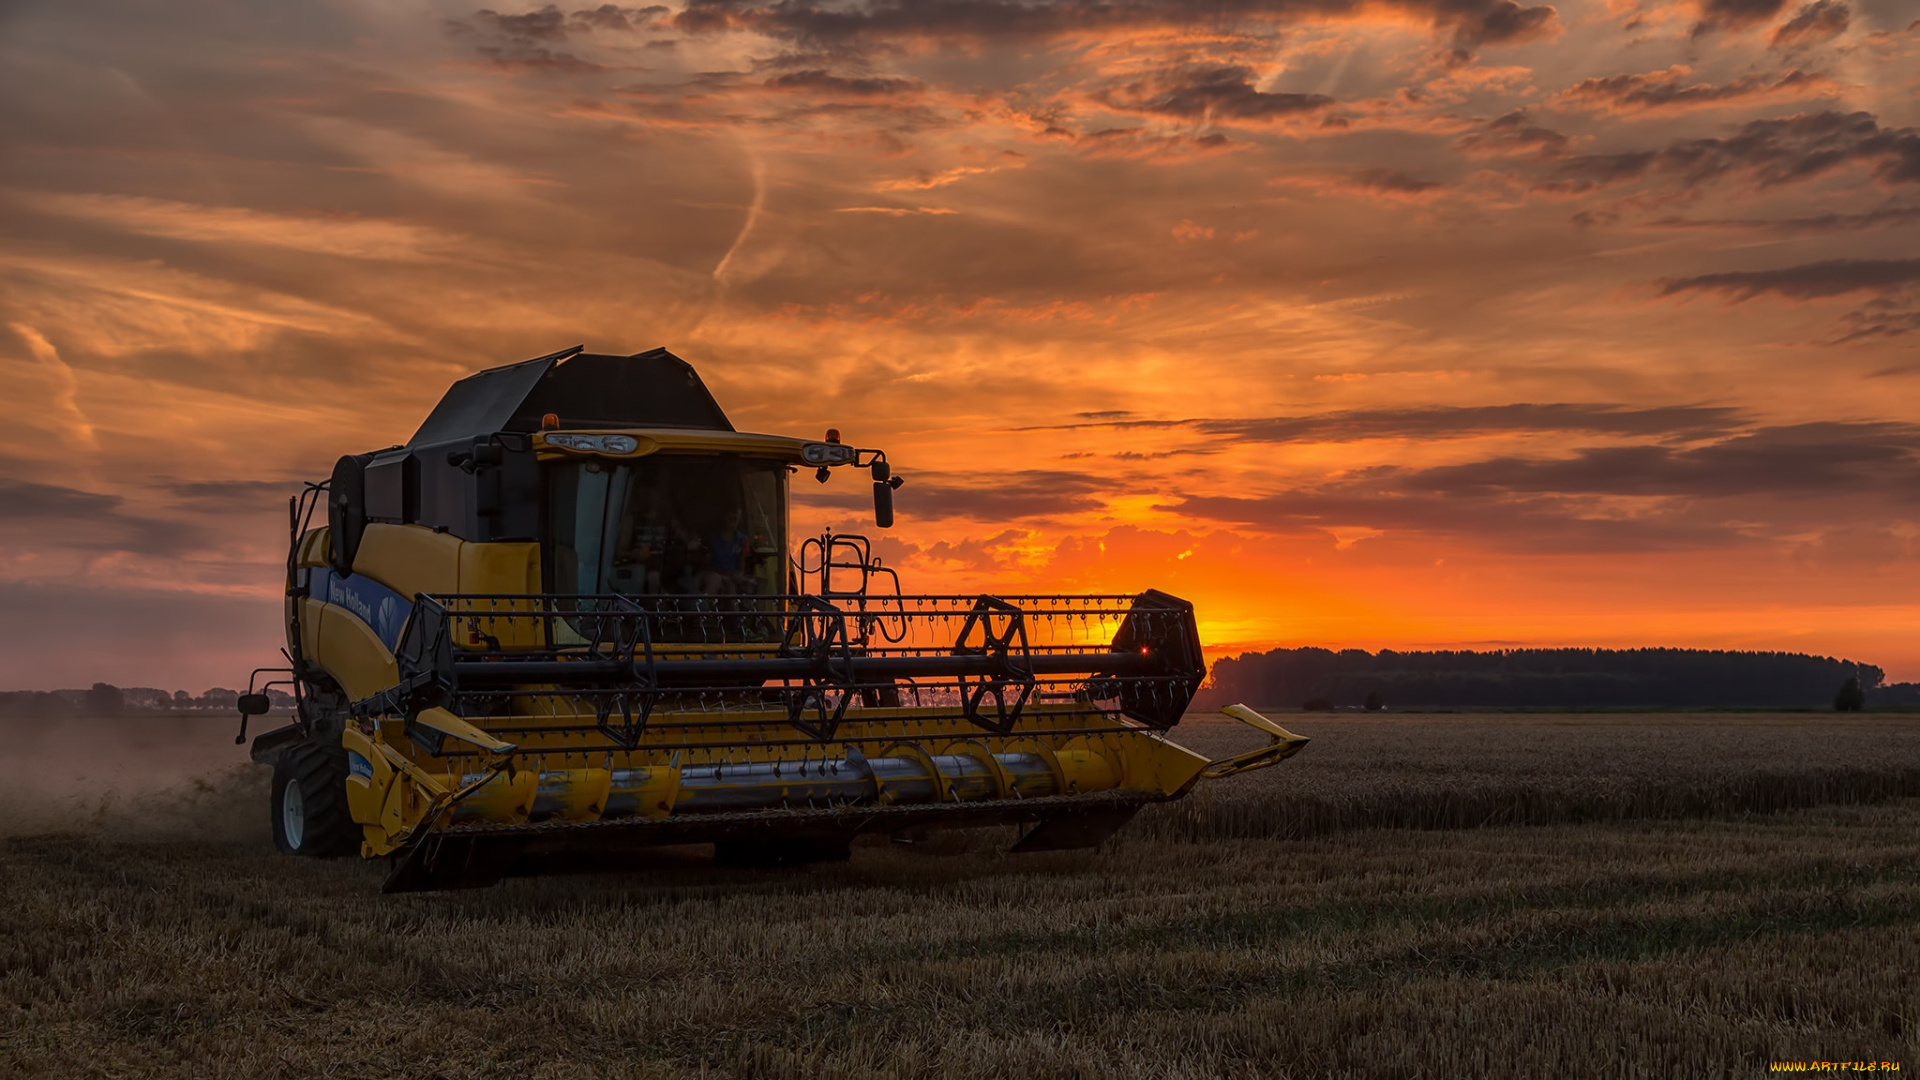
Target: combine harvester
(563,623)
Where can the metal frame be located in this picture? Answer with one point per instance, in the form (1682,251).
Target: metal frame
(801,663)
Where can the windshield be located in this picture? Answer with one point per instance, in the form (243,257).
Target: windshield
(678,524)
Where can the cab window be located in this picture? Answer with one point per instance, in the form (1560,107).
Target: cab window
(669,524)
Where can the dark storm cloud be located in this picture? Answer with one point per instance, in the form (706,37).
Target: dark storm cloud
(1799,460)
(820,81)
(1669,90)
(1814,24)
(1009,496)
(1158,455)
(986,555)
(1884,217)
(1423,423)
(24,500)
(1768,152)
(1889,314)
(1540,524)
(1215,93)
(547,24)
(1868,324)
(881,21)
(550,24)
(1513,134)
(525,42)
(1736,14)
(1033,493)
(1503,22)
(1810,281)
(1472,23)
(525,58)
(86,521)
(236,495)
(1391,182)
(1555,503)
(1689,421)
(1590,171)
(613,17)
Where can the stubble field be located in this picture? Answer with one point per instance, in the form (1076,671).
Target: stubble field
(1411,896)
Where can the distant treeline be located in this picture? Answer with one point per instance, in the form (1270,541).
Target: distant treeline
(1545,678)
(105,699)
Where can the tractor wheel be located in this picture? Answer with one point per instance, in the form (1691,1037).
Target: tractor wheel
(310,803)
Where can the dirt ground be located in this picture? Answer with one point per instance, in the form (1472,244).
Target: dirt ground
(1434,895)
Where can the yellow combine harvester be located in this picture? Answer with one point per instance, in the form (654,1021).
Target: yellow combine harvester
(563,623)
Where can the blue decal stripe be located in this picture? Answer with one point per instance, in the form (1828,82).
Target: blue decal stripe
(383,610)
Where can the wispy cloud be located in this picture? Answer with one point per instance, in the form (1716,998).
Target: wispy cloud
(64,389)
(1674,90)
(1834,277)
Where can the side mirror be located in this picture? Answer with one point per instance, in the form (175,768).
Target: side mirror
(883,484)
(254,704)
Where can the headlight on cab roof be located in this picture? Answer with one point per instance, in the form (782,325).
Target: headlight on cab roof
(821,453)
(605,444)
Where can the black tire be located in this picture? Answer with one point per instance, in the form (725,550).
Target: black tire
(326,828)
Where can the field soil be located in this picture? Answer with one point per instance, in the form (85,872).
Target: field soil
(1437,895)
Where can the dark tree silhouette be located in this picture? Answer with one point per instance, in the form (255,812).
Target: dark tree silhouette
(1544,678)
(105,699)
(1850,698)
(1375,702)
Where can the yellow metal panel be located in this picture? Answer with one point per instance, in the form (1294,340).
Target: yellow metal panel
(446,723)
(1085,767)
(1283,745)
(647,791)
(1157,764)
(410,559)
(573,794)
(505,798)
(411,794)
(316,546)
(349,651)
(366,795)
(499,568)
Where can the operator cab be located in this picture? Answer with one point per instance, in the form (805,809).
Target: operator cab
(623,469)
(668,524)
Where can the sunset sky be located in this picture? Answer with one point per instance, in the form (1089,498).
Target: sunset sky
(1409,323)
